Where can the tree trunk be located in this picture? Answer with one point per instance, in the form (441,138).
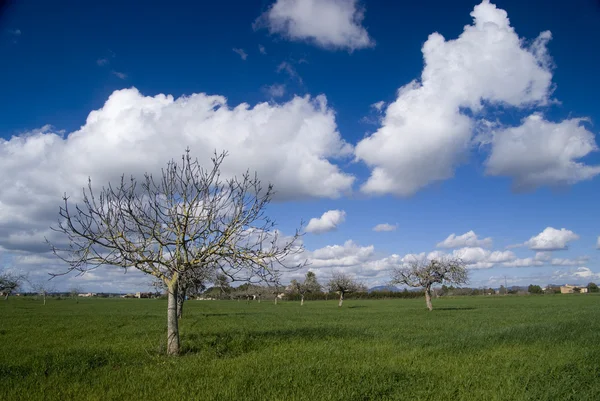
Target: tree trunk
(301,300)
(172,323)
(6,296)
(44,298)
(428,298)
(341,299)
(275,299)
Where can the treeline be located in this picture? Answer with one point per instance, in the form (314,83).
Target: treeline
(324,296)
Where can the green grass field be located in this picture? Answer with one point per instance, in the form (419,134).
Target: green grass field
(468,348)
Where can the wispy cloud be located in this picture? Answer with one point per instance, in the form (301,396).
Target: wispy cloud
(275,90)
(290,70)
(14,33)
(102,62)
(119,75)
(241,53)
(385,227)
(262,49)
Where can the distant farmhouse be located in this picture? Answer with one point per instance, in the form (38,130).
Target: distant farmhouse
(570,289)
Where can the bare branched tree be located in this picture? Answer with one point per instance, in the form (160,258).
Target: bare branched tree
(222,282)
(42,288)
(425,273)
(10,282)
(342,284)
(188,222)
(75,291)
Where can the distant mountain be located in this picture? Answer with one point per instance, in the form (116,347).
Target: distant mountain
(385,288)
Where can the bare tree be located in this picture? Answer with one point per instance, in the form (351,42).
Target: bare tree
(75,291)
(222,282)
(42,288)
(10,282)
(342,284)
(425,273)
(189,221)
(276,290)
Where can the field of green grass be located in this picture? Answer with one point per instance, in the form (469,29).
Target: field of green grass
(468,348)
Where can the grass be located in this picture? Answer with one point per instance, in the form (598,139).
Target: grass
(468,348)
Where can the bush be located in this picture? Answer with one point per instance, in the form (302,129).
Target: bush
(534,289)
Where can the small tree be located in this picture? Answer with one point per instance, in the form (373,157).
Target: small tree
(222,282)
(275,288)
(189,222)
(342,284)
(75,291)
(308,286)
(425,273)
(10,282)
(42,288)
(592,287)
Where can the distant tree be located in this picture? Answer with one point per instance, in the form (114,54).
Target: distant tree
(576,290)
(75,291)
(276,289)
(592,287)
(342,284)
(425,273)
(222,281)
(444,290)
(10,282)
(308,286)
(189,220)
(42,288)
(259,291)
(534,289)
(191,283)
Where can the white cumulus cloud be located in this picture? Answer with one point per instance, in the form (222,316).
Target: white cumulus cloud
(329,221)
(330,24)
(539,152)
(290,145)
(424,133)
(551,239)
(385,227)
(468,239)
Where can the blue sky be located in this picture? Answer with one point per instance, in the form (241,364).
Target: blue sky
(487,114)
